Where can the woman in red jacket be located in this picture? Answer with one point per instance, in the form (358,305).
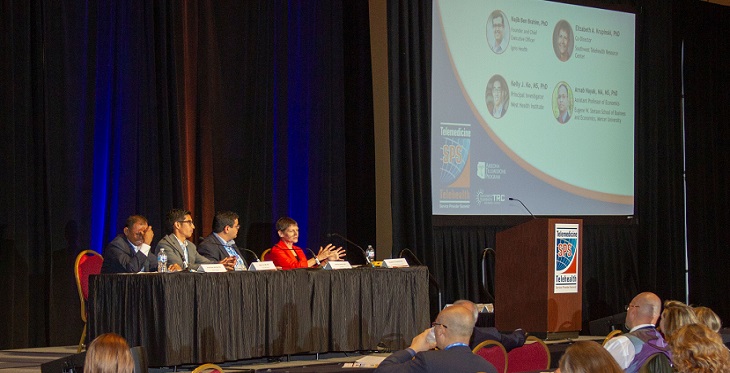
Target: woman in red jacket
(289,256)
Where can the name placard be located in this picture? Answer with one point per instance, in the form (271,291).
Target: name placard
(338,264)
(217,267)
(262,266)
(395,263)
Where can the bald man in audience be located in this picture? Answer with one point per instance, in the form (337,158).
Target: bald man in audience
(632,349)
(481,334)
(451,332)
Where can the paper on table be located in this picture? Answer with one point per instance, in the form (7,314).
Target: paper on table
(370,361)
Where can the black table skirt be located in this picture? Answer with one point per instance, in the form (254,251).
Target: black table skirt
(194,318)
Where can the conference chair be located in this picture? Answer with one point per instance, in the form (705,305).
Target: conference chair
(139,355)
(533,355)
(488,261)
(264,254)
(88,262)
(657,363)
(611,335)
(208,368)
(493,352)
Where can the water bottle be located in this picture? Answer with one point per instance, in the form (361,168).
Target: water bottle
(162,261)
(370,252)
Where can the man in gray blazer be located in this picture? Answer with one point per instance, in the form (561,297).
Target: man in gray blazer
(177,247)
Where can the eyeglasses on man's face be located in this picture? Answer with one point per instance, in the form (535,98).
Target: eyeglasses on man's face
(433,324)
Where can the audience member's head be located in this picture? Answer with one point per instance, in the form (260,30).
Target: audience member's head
(588,357)
(675,315)
(469,305)
(643,309)
(709,318)
(453,324)
(697,349)
(109,353)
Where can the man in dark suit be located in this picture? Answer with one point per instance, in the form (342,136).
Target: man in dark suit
(481,334)
(451,333)
(220,244)
(179,250)
(129,252)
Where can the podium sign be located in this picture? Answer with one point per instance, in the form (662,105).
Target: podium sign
(538,278)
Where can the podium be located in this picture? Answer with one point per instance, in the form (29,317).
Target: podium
(538,278)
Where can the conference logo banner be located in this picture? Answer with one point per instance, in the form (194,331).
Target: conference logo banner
(566,258)
(454,191)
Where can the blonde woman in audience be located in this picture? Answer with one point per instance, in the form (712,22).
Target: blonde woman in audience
(709,318)
(697,349)
(588,357)
(109,353)
(675,315)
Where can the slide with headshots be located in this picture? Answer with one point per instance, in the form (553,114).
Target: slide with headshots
(532,100)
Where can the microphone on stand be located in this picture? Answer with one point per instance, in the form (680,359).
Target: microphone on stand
(523,205)
(252,252)
(316,260)
(364,254)
(411,255)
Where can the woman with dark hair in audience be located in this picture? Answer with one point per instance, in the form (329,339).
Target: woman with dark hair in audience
(697,349)
(709,318)
(675,315)
(588,357)
(109,353)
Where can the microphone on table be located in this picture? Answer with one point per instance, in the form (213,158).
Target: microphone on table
(364,254)
(252,252)
(523,205)
(316,260)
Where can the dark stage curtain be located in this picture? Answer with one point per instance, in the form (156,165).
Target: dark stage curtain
(707,125)
(624,256)
(116,108)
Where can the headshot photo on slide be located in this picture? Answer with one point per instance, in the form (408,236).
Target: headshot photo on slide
(497,96)
(498,31)
(563,41)
(562,102)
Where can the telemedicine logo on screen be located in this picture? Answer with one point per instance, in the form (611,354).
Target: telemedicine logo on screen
(454,170)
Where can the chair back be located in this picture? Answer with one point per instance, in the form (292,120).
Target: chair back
(139,355)
(88,262)
(611,335)
(493,352)
(533,355)
(488,263)
(657,363)
(264,254)
(208,368)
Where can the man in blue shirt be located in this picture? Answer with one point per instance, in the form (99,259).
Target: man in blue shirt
(220,244)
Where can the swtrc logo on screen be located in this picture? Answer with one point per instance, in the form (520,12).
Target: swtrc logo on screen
(484,198)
